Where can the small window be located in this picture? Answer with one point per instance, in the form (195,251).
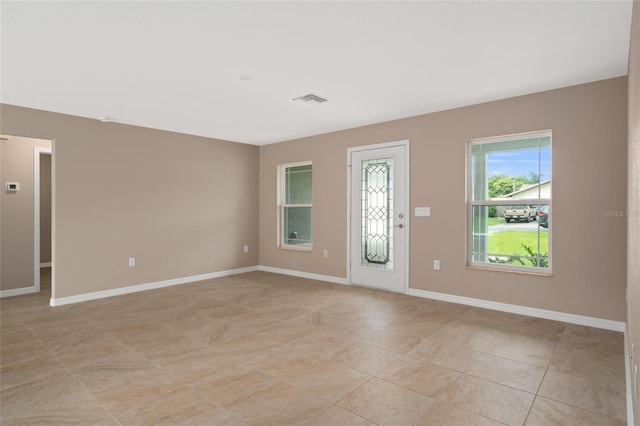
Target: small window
(295,206)
(509,202)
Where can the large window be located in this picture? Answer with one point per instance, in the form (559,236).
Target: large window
(509,202)
(295,206)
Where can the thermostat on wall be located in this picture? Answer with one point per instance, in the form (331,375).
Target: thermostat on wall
(11,186)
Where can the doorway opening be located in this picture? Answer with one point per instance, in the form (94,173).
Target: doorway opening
(26,217)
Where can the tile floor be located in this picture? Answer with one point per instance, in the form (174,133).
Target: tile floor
(267,349)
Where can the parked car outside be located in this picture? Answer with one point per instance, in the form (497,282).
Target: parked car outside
(543,217)
(516,213)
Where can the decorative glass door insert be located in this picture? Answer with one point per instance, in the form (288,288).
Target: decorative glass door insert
(377,213)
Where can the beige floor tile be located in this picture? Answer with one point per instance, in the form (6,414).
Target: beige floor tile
(232,385)
(335,416)
(518,375)
(582,337)
(321,345)
(415,327)
(275,307)
(192,366)
(114,320)
(498,402)
(595,363)
(393,339)
(287,330)
(215,334)
(443,414)
(384,403)
(529,350)
(274,349)
(121,382)
(423,377)
(5,312)
(182,406)
(163,350)
(8,327)
(444,313)
(366,358)
(51,333)
(546,412)
(540,328)
(600,397)
(50,318)
(329,381)
(21,346)
(26,371)
(462,336)
(141,335)
(256,322)
(284,364)
(280,404)
(163,316)
(249,345)
(226,418)
(84,347)
(484,321)
(449,356)
(76,412)
(60,389)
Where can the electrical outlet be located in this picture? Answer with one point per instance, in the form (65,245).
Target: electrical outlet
(436,265)
(325,253)
(132,262)
(246,249)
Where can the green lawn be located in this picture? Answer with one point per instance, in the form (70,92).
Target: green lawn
(510,242)
(496,221)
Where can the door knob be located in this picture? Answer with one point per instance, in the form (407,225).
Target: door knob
(400,225)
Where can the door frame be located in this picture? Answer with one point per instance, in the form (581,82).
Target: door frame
(37,151)
(406,144)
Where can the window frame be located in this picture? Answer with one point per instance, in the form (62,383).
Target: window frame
(282,205)
(471,203)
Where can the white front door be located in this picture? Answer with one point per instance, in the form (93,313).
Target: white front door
(379,218)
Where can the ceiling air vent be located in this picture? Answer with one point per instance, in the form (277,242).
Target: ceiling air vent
(310,98)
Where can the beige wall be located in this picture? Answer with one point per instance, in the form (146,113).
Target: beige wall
(633,242)
(16,220)
(181,205)
(589,174)
(45,208)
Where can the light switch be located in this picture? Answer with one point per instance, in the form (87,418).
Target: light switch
(423,211)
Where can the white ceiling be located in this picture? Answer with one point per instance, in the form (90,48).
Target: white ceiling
(228,70)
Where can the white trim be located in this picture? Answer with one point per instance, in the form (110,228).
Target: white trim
(36,215)
(309,275)
(522,310)
(508,138)
(45,265)
(627,371)
(406,143)
(17,292)
(149,286)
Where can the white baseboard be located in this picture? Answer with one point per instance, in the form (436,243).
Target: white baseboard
(522,310)
(149,286)
(17,291)
(309,275)
(45,265)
